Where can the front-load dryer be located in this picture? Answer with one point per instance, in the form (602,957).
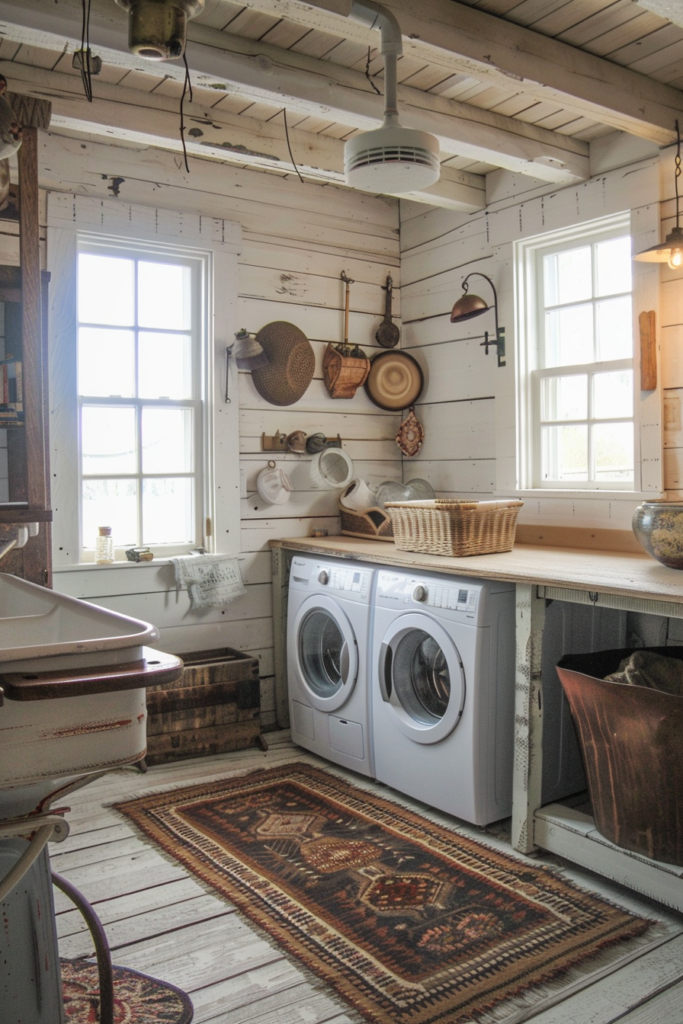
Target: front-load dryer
(443,664)
(328,634)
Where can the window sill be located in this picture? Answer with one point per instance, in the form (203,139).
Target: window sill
(90,566)
(542,492)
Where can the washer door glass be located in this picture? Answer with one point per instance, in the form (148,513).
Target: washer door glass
(326,653)
(420,677)
(323,653)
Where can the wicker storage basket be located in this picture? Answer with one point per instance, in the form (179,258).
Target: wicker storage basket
(371,524)
(448,527)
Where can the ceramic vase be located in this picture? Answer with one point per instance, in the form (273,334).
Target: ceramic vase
(658,526)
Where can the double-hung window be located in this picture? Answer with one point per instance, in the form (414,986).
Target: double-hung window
(576,359)
(141,315)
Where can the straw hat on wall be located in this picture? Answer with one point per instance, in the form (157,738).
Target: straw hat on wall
(291,362)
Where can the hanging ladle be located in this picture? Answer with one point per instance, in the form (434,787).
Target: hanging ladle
(387,333)
(355,351)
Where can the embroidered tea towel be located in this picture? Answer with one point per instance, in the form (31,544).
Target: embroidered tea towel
(211,580)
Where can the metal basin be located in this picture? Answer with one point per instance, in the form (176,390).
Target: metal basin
(38,624)
(45,741)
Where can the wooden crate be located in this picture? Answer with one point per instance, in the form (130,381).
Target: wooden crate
(214,707)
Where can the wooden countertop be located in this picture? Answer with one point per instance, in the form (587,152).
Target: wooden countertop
(609,572)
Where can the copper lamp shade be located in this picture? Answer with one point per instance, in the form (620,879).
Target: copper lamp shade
(671,249)
(467,307)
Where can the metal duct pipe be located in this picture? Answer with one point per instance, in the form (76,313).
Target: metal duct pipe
(391,160)
(373,15)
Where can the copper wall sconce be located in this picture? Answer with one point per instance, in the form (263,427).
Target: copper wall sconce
(470,305)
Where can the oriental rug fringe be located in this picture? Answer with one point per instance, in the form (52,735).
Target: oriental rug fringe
(408,921)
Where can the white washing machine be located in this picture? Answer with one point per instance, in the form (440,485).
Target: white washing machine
(328,634)
(443,673)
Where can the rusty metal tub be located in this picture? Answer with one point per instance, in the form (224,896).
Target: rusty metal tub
(631,739)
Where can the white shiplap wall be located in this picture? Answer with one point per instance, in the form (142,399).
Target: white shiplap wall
(296,240)
(468,406)
(672,342)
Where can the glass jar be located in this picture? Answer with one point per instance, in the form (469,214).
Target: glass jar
(104,546)
(422,490)
(391,490)
(658,525)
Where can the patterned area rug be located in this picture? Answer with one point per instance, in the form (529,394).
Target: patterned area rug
(138,999)
(409,922)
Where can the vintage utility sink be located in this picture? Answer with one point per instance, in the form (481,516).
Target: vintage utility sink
(73,677)
(72,705)
(38,624)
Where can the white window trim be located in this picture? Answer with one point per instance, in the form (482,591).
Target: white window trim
(201,270)
(70,216)
(647,409)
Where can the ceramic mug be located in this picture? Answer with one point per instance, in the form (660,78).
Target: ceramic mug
(273,485)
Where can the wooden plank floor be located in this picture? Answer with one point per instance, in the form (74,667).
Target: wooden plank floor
(161,921)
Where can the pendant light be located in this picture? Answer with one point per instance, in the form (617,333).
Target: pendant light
(157,29)
(391,160)
(671,249)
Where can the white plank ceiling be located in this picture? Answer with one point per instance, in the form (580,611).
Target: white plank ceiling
(292,42)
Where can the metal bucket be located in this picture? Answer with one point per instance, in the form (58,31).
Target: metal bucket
(631,739)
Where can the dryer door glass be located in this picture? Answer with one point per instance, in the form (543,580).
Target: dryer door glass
(420,677)
(323,653)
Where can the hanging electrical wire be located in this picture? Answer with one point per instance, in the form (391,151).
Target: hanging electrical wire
(367,71)
(291,155)
(84,64)
(677,172)
(187,90)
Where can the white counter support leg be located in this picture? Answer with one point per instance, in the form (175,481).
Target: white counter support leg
(281,562)
(528,765)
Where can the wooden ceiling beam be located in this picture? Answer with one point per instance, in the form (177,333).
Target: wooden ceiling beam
(29,111)
(150,119)
(269,74)
(467,40)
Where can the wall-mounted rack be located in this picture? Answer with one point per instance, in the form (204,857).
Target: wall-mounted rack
(292,442)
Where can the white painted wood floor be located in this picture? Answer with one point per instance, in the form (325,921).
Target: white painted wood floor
(161,921)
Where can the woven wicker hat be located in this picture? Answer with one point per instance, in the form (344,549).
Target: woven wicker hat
(395,380)
(290,366)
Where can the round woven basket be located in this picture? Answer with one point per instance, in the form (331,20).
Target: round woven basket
(395,380)
(291,362)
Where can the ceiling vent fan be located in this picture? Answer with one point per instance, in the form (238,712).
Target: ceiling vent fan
(391,159)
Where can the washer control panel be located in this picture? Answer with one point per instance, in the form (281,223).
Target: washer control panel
(405,592)
(355,581)
(351,581)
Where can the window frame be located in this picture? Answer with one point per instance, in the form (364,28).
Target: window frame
(529,311)
(200,266)
(218,243)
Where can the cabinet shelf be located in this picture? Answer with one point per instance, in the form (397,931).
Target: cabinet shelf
(572,834)
(22,514)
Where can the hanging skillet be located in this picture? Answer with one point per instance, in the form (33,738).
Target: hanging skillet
(387,334)
(395,381)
